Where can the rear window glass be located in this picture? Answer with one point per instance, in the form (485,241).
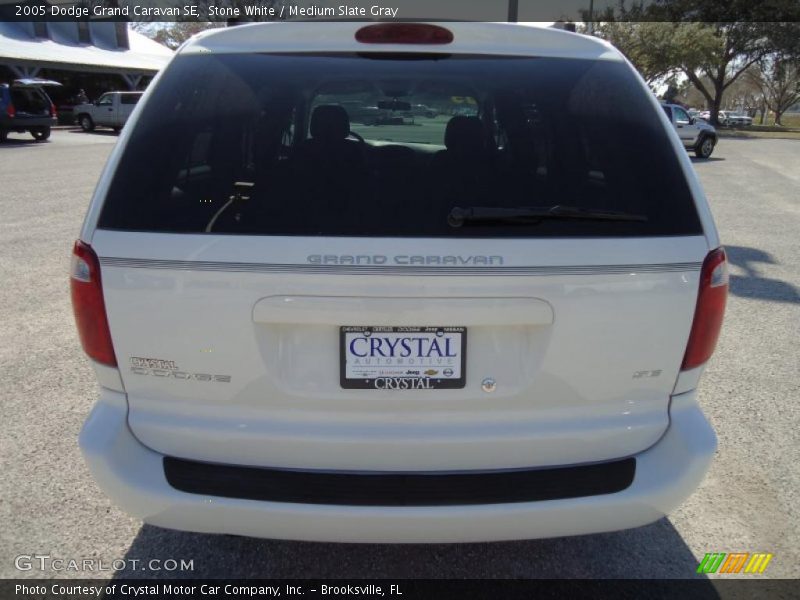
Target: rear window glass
(388,145)
(30,101)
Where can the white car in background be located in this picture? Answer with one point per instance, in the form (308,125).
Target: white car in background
(490,327)
(728,118)
(733,119)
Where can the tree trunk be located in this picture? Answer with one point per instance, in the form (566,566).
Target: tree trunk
(778,115)
(715,107)
(719,90)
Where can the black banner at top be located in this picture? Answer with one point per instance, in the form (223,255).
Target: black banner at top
(402,10)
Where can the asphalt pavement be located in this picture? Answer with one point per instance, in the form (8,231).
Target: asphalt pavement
(748,502)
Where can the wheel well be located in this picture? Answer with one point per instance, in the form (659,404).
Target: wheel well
(704,135)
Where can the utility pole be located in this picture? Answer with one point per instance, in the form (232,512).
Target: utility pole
(513,11)
(590,24)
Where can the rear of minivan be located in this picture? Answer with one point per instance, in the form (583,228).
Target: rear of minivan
(25,106)
(485,324)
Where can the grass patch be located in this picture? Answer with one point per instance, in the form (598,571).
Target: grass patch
(789,120)
(789,131)
(753,132)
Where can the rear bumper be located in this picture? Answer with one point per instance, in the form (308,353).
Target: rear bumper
(26,123)
(133,476)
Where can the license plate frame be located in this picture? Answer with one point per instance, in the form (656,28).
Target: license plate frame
(420,381)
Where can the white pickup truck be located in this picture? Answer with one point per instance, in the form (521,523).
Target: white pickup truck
(112,109)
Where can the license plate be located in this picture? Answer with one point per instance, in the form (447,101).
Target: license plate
(403,358)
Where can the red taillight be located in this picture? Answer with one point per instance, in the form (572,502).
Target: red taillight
(53,112)
(11,111)
(404,33)
(710,309)
(88,305)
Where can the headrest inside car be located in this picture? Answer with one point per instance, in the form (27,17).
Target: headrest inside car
(464,134)
(330,122)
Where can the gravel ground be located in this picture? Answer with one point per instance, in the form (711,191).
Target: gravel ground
(50,505)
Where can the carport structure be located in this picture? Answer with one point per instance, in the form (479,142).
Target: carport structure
(77,50)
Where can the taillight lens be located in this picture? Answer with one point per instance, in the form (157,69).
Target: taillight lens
(11,111)
(710,310)
(404,33)
(88,305)
(53,112)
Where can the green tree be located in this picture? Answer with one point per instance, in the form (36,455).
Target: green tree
(778,78)
(712,45)
(174,34)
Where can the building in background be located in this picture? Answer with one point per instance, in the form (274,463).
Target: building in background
(93,56)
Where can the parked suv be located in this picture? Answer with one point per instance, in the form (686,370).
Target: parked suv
(486,328)
(695,133)
(112,109)
(25,106)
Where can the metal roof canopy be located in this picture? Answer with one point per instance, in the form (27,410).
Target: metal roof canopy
(26,54)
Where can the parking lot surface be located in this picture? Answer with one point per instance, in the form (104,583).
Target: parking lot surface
(749,501)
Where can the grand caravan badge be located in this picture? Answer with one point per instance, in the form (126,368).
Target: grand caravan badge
(158,367)
(404,259)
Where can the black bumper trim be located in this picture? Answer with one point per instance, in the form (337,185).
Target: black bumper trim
(387,488)
(25,123)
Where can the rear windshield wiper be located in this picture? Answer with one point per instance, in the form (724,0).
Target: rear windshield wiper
(530,215)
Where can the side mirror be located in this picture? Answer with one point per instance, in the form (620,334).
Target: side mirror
(691,120)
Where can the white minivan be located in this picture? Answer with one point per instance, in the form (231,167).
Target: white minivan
(489,324)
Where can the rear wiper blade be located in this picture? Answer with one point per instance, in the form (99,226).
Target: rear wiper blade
(530,215)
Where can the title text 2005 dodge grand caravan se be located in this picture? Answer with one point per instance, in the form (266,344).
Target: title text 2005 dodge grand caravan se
(483,324)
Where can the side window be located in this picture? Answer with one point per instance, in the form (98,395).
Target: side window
(198,155)
(195,165)
(288,137)
(106,100)
(521,136)
(667,110)
(129,98)
(681,115)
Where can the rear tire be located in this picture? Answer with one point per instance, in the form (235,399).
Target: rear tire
(3,136)
(86,123)
(705,147)
(117,129)
(41,133)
